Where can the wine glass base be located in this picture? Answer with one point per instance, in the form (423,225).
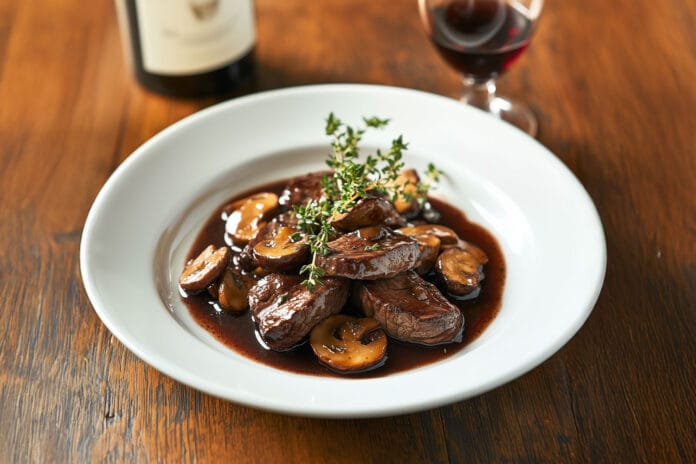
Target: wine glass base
(516,114)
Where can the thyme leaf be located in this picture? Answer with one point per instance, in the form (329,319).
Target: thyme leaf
(351,181)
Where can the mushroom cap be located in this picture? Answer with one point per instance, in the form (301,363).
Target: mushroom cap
(201,271)
(446,235)
(233,291)
(245,216)
(349,344)
(429,246)
(280,252)
(407,205)
(460,268)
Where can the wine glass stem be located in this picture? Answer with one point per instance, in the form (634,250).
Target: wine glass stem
(479,93)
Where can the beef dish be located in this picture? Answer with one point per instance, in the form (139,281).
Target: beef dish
(239,331)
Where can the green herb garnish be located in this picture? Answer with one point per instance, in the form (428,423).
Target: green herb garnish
(373,247)
(351,181)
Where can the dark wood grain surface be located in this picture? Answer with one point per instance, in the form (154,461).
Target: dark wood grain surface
(613,85)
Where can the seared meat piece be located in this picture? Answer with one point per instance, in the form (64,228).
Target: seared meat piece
(349,344)
(368,212)
(302,189)
(285,311)
(411,309)
(370,253)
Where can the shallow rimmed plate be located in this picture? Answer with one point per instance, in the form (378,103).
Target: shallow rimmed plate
(149,211)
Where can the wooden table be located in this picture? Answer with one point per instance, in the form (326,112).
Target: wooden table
(613,86)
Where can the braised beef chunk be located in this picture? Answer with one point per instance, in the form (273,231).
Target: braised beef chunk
(302,189)
(411,309)
(370,253)
(369,212)
(285,311)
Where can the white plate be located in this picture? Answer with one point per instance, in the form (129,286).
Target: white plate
(148,212)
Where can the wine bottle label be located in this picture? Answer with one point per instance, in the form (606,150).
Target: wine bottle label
(180,37)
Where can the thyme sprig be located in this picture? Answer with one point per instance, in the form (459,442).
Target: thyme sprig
(352,180)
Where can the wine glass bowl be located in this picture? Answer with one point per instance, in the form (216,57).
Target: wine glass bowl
(481,39)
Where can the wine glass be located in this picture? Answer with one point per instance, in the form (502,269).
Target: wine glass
(481,39)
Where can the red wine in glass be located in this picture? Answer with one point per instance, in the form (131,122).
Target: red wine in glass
(481,39)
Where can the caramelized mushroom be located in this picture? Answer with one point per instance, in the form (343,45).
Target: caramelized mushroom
(349,344)
(460,268)
(429,246)
(245,216)
(204,269)
(408,179)
(281,252)
(233,290)
(446,235)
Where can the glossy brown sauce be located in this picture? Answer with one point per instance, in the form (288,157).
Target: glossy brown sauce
(238,331)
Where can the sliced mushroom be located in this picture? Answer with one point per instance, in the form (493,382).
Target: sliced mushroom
(214,289)
(283,251)
(407,205)
(349,344)
(368,212)
(204,269)
(429,246)
(266,232)
(245,216)
(446,235)
(460,268)
(233,290)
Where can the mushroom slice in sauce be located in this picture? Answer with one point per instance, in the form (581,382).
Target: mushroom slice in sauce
(349,344)
(460,268)
(446,235)
(283,251)
(408,181)
(204,269)
(233,291)
(429,246)
(245,216)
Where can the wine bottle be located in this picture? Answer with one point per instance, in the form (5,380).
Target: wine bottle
(189,47)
